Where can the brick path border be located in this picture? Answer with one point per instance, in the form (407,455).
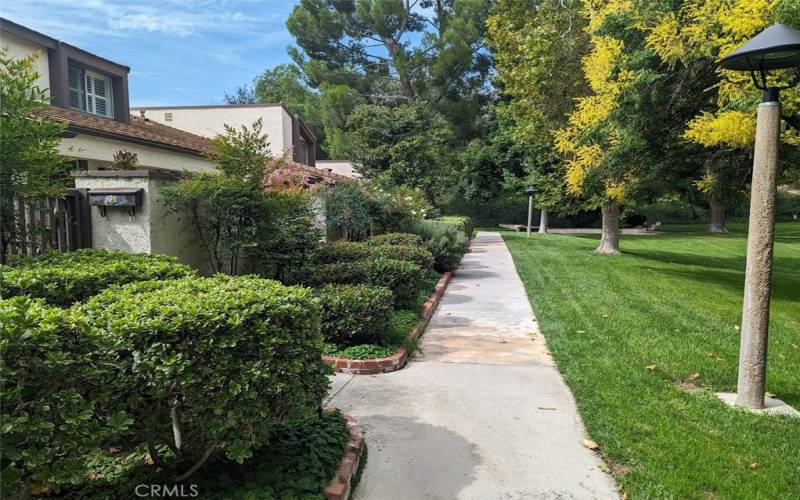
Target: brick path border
(341,485)
(399,359)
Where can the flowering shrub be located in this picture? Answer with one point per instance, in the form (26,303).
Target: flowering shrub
(394,206)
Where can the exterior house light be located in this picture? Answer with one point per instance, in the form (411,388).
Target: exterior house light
(775,48)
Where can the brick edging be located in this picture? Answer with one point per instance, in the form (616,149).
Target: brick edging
(340,487)
(397,360)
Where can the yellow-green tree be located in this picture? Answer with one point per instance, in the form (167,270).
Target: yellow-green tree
(701,32)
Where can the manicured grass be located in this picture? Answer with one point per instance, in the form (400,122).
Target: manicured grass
(673,303)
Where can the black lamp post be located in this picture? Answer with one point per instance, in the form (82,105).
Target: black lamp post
(775,48)
(532,190)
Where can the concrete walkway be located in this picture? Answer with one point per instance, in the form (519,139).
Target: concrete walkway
(481,413)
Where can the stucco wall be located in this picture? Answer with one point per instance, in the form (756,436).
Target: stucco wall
(19,48)
(151,230)
(101,149)
(209,121)
(117,230)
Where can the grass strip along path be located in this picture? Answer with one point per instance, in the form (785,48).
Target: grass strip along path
(646,338)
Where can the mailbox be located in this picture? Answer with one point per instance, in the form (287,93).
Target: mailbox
(116,197)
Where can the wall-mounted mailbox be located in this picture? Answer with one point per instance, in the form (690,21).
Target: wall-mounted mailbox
(103,198)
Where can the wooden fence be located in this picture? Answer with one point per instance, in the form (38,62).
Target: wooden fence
(62,224)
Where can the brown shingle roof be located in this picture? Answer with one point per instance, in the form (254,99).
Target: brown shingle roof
(139,130)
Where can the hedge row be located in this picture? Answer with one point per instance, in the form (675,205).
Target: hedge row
(221,359)
(64,278)
(347,251)
(403,278)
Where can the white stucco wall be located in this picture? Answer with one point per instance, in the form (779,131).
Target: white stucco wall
(341,167)
(100,150)
(151,230)
(210,121)
(19,48)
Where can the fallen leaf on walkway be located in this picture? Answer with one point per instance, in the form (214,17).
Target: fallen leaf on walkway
(650,368)
(544,408)
(694,376)
(590,444)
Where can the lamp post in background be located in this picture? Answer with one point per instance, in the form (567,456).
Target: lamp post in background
(531,191)
(775,48)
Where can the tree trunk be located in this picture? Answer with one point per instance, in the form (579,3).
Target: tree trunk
(716,216)
(609,243)
(543,222)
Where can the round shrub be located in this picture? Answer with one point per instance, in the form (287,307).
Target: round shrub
(49,395)
(417,254)
(342,251)
(64,278)
(353,314)
(445,241)
(217,360)
(395,239)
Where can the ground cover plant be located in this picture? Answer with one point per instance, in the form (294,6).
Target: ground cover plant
(63,278)
(644,339)
(298,460)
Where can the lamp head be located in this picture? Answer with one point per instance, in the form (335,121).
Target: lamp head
(532,190)
(777,47)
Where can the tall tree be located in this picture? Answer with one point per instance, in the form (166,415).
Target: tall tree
(393,51)
(696,32)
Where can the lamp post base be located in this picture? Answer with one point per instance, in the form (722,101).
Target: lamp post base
(772,406)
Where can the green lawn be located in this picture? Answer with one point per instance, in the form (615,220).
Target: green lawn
(673,301)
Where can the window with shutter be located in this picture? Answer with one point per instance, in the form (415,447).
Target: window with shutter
(77,88)
(98,94)
(89,91)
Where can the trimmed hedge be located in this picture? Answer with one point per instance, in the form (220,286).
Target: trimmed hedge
(346,251)
(224,357)
(64,278)
(403,278)
(417,254)
(445,241)
(395,239)
(49,395)
(354,314)
(342,251)
(462,221)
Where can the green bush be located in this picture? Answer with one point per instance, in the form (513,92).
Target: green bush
(403,278)
(417,254)
(221,359)
(49,410)
(345,251)
(395,239)
(63,278)
(462,221)
(342,251)
(445,241)
(353,314)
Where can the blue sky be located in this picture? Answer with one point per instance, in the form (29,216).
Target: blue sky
(179,51)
